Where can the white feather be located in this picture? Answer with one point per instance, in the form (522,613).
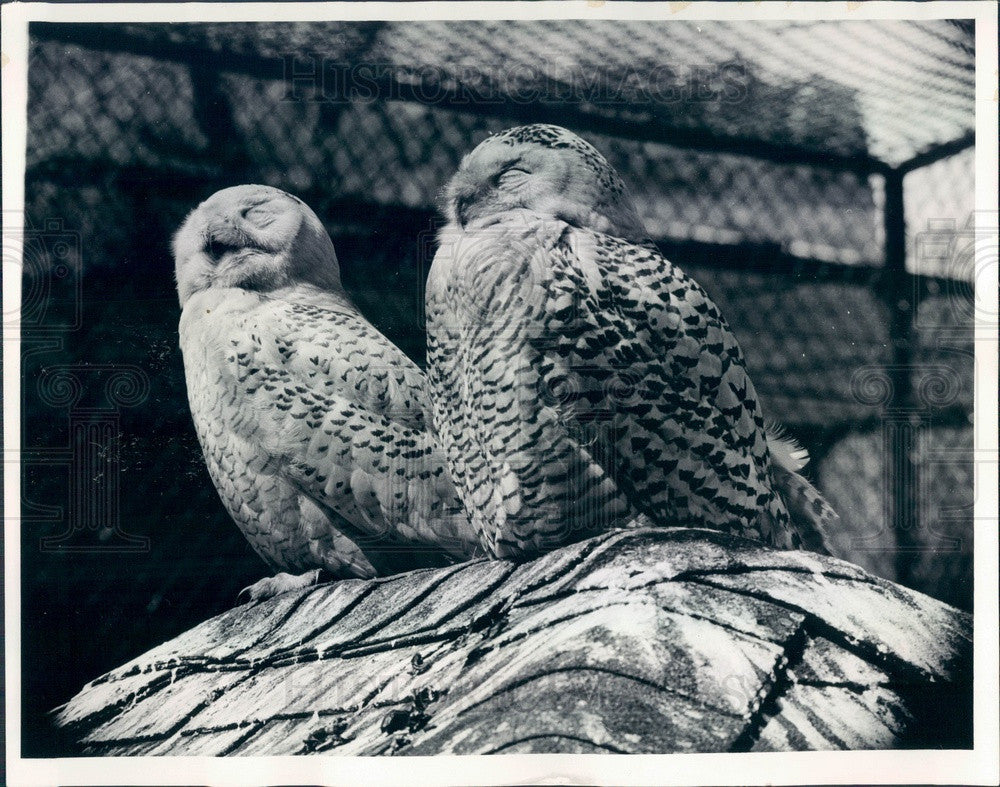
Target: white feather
(786,451)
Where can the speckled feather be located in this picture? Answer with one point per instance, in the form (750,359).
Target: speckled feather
(580,378)
(315,428)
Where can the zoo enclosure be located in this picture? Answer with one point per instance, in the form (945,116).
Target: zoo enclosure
(816,178)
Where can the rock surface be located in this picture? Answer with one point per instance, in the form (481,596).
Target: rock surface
(634,642)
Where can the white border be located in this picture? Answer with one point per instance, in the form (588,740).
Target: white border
(980,766)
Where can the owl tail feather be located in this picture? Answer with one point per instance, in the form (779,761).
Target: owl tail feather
(812,517)
(784,450)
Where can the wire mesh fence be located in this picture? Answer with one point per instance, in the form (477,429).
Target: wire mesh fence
(823,200)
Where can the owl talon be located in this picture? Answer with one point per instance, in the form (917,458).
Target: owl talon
(268,587)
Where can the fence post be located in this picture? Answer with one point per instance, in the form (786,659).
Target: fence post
(901,427)
(214,114)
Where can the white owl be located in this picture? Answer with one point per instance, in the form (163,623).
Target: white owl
(580,379)
(314,426)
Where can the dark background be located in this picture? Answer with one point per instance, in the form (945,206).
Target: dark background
(825,214)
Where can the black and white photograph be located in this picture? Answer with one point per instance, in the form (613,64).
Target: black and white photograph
(568,382)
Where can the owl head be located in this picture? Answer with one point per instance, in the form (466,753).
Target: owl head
(255,238)
(547,170)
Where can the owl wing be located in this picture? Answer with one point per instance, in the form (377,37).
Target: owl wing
(342,413)
(691,431)
(581,380)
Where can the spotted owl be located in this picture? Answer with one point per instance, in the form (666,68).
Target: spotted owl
(314,426)
(581,380)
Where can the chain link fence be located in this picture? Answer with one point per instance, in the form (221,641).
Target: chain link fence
(816,178)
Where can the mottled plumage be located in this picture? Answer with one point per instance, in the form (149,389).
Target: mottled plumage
(581,379)
(314,426)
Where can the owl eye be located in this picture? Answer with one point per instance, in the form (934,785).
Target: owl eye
(512,175)
(259,215)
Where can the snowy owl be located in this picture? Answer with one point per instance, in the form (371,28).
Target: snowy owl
(314,426)
(581,380)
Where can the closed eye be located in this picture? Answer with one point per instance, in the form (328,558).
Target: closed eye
(510,174)
(259,215)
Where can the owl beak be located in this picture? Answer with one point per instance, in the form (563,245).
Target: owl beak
(217,248)
(462,205)
(467,197)
(223,240)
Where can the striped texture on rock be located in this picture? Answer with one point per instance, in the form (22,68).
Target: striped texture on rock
(633,642)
